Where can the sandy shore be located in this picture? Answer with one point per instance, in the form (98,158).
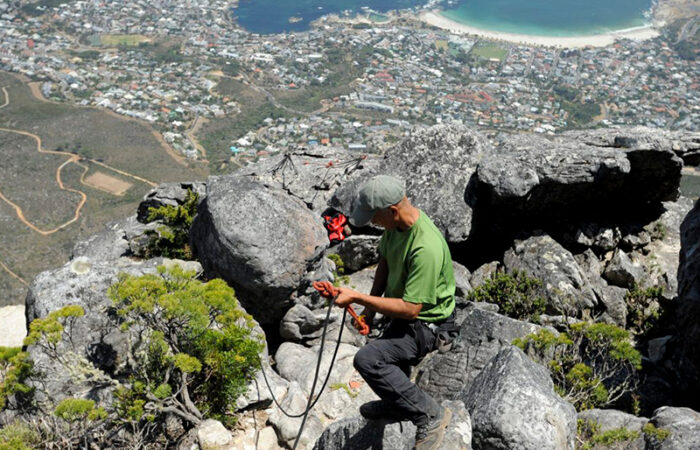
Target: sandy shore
(599,40)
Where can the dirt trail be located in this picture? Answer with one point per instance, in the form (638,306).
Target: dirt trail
(14,275)
(71,159)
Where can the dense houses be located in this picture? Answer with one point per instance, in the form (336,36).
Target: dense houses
(174,52)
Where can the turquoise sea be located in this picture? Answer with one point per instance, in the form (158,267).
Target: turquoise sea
(541,17)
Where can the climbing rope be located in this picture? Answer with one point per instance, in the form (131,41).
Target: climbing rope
(312,402)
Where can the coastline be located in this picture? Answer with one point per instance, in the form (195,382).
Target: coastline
(436,19)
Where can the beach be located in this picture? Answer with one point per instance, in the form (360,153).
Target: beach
(434,18)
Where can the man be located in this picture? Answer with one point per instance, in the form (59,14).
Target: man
(415,276)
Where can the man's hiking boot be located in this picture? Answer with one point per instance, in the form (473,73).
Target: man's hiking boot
(429,436)
(379,409)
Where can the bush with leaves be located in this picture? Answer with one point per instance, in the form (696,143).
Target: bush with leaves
(339,275)
(171,238)
(589,436)
(592,364)
(197,353)
(643,308)
(517,295)
(15,368)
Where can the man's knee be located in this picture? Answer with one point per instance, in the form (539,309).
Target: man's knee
(365,359)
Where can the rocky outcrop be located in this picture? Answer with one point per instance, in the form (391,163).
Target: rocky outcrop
(536,183)
(688,311)
(436,163)
(312,175)
(621,271)
(512,404)
(358,433)
(565,286)
(482,335)
(260,240)
(95,349)
(685,144)
(168,194)
(683,425)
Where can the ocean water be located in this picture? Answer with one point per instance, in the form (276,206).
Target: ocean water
(551,17)
(541,17)
(272,16)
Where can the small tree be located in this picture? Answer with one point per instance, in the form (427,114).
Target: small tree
(517,295)
(197,351)
(592,365)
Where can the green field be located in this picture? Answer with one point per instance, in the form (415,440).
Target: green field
(129,40)
(28,178)
(488,50)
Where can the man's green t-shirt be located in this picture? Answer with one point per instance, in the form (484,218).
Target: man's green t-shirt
(420,268)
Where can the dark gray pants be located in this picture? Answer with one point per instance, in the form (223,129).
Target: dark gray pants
(385,365)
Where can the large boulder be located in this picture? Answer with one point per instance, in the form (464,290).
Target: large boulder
(357,252)
(685,144)
(688,311)
(358,433)
(482,335)
(512,404)
(436,164)
(535,182)
(683,425)
(259,239)
(93,350)
(566,287)
(311,175)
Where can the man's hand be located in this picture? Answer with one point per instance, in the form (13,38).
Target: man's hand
(345,296)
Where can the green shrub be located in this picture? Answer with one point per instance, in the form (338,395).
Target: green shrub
(79,409)
(590,437)
(18,436)
(171,239)
(654,436)
(339,276)
(15,369)
(592,365)
(198,352)
(643,309)
(517,295)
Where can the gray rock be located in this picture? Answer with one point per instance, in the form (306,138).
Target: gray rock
(612,298)
(109,244)
(258,392)
(596,236)
(536,183)
(688,312)
(436,164)
(462,276)
(94,349)
(684,425)
(357,252)
(622,272)
(301,323)
(482,335)
(358,433)
(610,419)
(483,273)
(512,404)
(565,285)
(656,348)
(685,144)
(287,428)
(168,194)
(298,363)
(311,175)
(212,434)
(260,240)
